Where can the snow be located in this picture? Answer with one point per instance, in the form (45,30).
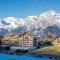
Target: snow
(45,19)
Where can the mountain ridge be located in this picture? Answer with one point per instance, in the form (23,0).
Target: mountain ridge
(31,23)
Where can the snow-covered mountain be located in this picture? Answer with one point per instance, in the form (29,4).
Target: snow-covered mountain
(35,24)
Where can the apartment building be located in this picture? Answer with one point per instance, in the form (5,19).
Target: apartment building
(26,40)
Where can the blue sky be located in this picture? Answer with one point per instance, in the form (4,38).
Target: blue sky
(23,8)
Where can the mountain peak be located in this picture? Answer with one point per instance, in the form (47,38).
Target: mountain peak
(48,13)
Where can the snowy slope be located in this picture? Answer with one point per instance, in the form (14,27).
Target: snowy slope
(35,24)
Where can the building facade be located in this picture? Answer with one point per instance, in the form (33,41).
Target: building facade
(26,40)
